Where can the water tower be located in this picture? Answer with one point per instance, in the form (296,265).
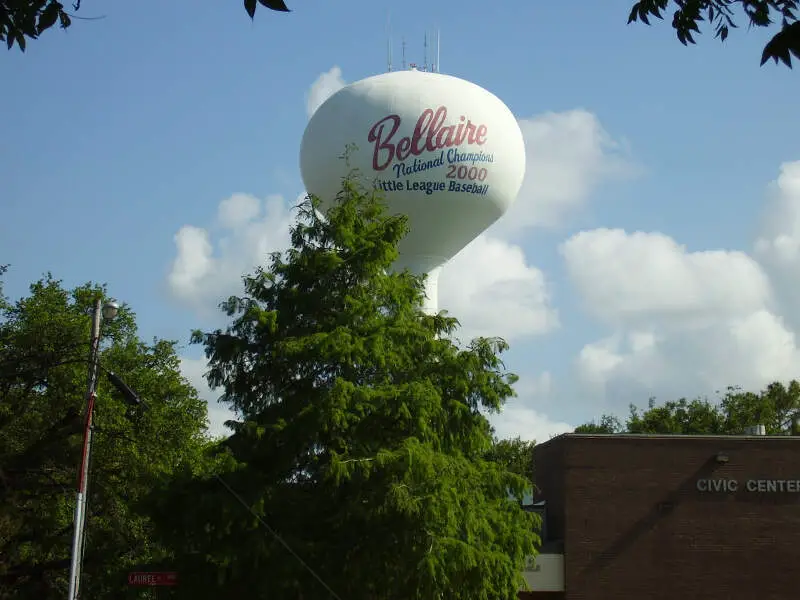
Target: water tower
(445,152)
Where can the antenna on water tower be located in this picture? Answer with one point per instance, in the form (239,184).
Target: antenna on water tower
(389,42)
(438,64)
(425,53)
(435,68)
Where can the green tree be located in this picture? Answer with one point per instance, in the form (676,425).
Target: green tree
(3,301)
(607,424)
(515,454)
(44,339)
(363,441)
(721,15)
(777,407)
(677,417)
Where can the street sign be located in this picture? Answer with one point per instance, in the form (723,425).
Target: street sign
(152,578)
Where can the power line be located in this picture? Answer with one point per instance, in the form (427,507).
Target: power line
(278,537)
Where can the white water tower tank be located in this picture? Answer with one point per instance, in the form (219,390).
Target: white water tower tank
(446,153)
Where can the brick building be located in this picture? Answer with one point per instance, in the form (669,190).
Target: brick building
(667,517)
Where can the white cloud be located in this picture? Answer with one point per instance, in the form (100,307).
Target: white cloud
(778,245)
(522,416)
(238,210)
(630,277)
(748,351)
(685,323)
(780,238)
(194,370)
(324,87)
(519,420)
(493,291)
(568,154)
(209,263)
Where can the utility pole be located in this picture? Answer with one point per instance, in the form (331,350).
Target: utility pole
(78,534)
(101,312)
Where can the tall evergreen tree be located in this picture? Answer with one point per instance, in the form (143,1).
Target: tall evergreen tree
(363,442)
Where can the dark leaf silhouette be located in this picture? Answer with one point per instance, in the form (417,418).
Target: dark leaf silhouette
(785,44)
(276,5)
(25,20)
(49,16)
(720,15)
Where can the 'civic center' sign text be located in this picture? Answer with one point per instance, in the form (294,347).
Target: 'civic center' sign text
(750,485)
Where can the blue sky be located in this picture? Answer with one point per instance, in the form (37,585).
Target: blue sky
(123,130)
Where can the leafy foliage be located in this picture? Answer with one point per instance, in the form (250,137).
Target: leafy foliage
(30,18)
(276,5)
(362,453)
(514,454)
(777,408)
(44,339)
(720,14)
(607,424)
(21,19)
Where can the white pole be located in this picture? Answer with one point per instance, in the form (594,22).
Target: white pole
(389,41)
(438,64)
(76,560)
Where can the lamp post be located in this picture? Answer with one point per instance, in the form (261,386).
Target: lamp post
(107,311)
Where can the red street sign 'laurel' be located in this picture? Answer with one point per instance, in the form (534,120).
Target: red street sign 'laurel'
(152,579)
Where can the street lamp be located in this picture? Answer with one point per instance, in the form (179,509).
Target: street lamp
(108,312)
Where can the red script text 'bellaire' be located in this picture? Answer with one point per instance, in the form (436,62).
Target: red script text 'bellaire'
(429,135)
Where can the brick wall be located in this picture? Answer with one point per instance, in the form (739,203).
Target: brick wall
(541,596)
(552,480)
(635,525)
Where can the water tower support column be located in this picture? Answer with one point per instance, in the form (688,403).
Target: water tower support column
(430,305)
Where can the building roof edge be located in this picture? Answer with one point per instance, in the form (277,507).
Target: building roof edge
(662,436)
